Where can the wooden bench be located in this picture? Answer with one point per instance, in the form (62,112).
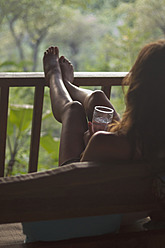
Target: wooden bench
(75,190)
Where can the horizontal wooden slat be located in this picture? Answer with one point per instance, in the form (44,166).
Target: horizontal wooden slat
(99,78)
(80,78)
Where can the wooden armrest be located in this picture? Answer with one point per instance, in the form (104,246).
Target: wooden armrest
(77,190)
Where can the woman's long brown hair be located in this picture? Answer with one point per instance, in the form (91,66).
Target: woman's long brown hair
(143,121)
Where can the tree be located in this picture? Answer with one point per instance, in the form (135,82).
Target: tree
(19,122)
(29,23)
(151,17)
(83,29)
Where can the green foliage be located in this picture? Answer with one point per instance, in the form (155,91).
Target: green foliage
(151,17)
(117,99)
(20,116)
(49,152)
(19,122)
(18,140)
(29,22)
(51,146)
(13,66)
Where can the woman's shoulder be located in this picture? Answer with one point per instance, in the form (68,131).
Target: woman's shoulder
(110,137)
(112,145)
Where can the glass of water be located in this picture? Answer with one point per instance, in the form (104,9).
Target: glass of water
(102,117)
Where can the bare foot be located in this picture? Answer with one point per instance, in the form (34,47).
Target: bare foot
(66,69)
(51,62)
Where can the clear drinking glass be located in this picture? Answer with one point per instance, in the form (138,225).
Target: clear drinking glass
(102,116)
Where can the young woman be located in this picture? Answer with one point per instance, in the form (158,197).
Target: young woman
(141,131)
(140,134)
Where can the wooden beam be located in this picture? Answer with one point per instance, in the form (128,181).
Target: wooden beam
(80,78)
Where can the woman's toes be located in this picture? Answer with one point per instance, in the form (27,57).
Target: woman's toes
(56,50)
(62,60)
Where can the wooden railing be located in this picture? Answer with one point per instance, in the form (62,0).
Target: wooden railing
(104,79)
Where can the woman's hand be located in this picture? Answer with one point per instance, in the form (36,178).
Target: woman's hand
(88,133)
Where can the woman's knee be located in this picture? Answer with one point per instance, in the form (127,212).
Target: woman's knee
(96,98)
(74,108)
(75,114)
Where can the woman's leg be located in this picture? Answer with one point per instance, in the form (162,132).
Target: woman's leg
(70,113)
(89,99)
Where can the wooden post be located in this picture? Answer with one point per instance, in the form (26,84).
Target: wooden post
(36,127)
(4,97)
